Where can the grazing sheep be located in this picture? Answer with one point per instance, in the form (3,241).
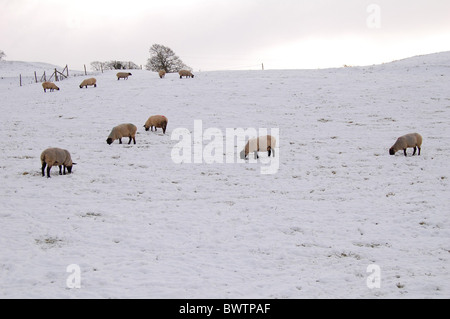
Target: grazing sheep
(56,157)
(185,73)
(413,140)
(259,144)
(88,82)
(49,86)
(162,74)
(123,75)
(122,130)
(156,121)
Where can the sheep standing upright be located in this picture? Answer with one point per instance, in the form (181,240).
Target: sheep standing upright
(156,121)
(162,74)
(56,157)
(413,140)
(122,130)
(89,82)
(259,144)
(49,86)
(123,75)
(186,73)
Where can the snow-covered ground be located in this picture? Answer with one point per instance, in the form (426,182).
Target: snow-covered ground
(139,225)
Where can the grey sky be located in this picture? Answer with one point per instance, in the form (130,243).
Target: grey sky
(223,34)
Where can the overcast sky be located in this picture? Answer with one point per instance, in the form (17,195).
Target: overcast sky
(224,34)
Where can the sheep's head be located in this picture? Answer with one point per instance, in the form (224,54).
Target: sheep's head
(69,169)
(391,151)
(109,141)
(130,74)
(147,128)
(243,155)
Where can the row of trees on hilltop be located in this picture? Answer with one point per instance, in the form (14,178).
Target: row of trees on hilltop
(114,65)
(161,58)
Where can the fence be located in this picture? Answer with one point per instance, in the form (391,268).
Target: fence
(55,76)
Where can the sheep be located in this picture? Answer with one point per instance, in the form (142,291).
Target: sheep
(49,86)
(123,75)
(89,82)
(413,140)
(156,121)
(259,144)
(56,157)
(122,130)
(162,74)
(185,73)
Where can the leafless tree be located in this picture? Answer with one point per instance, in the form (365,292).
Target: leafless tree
(114,65)
(163,58)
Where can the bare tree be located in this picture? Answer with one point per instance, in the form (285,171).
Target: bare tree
(2,54)
(163,58)
(114,65)
(97,65)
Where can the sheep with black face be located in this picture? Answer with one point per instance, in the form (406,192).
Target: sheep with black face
(413,140)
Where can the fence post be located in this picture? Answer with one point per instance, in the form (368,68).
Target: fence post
(35,76)
(20,79)
(85,70)
(56,75)
(262,66)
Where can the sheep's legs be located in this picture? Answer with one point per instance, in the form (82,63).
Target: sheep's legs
(256,155)
(48,171)
(415,150)
(419,150)
(60,170)
(134,140)
(404,151)
(43,169)
(120,141)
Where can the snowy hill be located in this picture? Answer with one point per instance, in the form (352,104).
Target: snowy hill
(11,70)
(14,68)
(139,225)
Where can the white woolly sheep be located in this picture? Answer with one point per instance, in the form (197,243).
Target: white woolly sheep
(162,74)
(56,157)
(123,75)
(413,140)
(259,144)
(49,86)
(89,82)
(156,121)
(185,73)
(122,130)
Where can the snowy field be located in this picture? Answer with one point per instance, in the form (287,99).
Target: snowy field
(139,225)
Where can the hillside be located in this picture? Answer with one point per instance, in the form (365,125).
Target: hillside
(139,225)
